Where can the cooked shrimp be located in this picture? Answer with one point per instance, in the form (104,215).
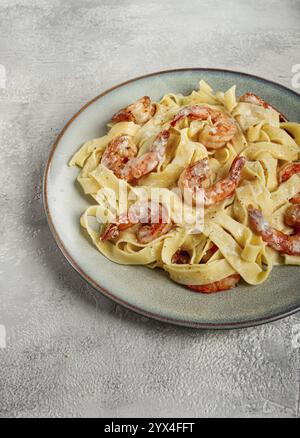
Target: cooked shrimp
(288,170)
(139,166)
(153,222)
(113,229)
(292,217)
(120,156)
(181,257)
(295,199)
(148,232)
(274,238)
(217,286)
(160,143)
(194,174)
(222,130)
(225,187)
(285,173)
(209,253)
(138,112)
(256,100)
(118,152)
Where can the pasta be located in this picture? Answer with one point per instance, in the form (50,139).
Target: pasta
(237,160)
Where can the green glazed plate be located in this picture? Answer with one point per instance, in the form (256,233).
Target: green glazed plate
(138,288)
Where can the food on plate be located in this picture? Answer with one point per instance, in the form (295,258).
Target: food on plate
(205,186)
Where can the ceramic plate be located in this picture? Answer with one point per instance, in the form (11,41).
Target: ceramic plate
(138,288)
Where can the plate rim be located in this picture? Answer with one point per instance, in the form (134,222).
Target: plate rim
(200,325)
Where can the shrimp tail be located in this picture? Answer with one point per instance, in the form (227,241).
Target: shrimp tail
(113,229)
(256,100)
(236,169)
(160,143)
(288,170)
(111,232)
(295,199)
(138,112)
(225,188)
(180,257)
(292,217)
(276,239)
(217,286)
(194,175)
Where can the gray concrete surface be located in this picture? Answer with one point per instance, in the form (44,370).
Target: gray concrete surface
(70,352)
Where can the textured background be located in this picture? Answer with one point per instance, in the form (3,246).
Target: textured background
(71,352)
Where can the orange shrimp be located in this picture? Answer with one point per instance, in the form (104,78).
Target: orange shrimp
(285,173)
(148,232)
(217,286)
(256,100)
(295,199)
(274,238)
(153,222)
(209,253)
(222,130)
(139,166)
(118,152)
(225,187)
(138,112)
(113,229)
(292,217)
(181,257)
(288,170)
(195,174)
(120,156)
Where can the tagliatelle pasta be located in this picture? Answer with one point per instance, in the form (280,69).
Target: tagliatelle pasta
(241,144)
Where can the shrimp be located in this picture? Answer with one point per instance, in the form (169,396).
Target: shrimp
(209,253)
(148,232)
(225,188)
(217,286)
(295,199)
(274,238)
(153,221)
(285,173)
(292,217)
(160,143)
(288,170)
(112,230)
(256,100)
(223,128)
(138,112)
(118,152)
(120,156)
(181,258)
(139,166)
(194,174)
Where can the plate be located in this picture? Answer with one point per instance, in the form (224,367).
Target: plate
(138,288)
